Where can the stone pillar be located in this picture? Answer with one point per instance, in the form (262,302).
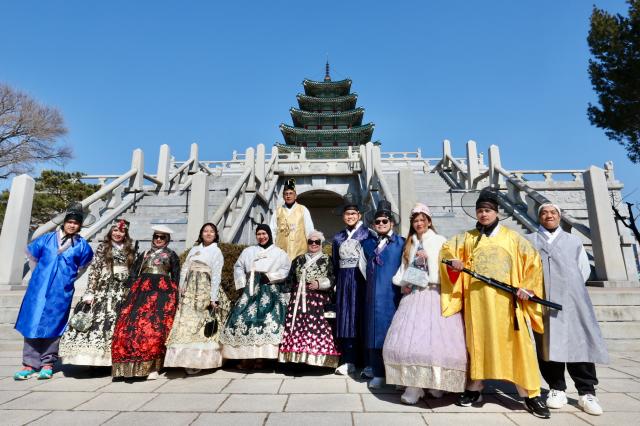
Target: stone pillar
(15,230)
(407,198)
(472,163)
(494,161)
(198,207)
(164,167)
(260,163)
(137,162)
(195,166)
(446,150)
(604,235)
(250,162)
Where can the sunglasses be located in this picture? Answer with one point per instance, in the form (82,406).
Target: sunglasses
(316,242)
(159,237)
(381,221)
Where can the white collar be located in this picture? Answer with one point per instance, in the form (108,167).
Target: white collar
(355,228)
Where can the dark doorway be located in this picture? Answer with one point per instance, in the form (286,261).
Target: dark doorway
(324,207)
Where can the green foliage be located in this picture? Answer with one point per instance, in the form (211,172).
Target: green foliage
(614,41)
(231,252)
(54,191)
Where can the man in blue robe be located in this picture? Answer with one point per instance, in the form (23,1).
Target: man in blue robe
(350,285)
(55,259)
(383,255)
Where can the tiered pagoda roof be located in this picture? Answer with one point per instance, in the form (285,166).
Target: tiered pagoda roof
(327,117)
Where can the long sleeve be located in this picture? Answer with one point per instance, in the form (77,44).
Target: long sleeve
(327,282)
(531,278)
(280,268)
(451,282)
(239,270)
(583,264)
(216,274)
(308,222)
(95,270)
(175,267)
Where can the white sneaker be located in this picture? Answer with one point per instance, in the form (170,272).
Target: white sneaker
(367,373)
(589,403)
(192,371)
(153,375)
(556,399)
(411,395)
(376,383)
(345,369)
(435,393)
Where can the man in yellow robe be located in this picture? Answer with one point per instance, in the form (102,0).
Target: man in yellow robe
(291,223)
(496,324)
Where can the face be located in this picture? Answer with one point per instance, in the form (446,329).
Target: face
(549,217)
(314,244)
(71,227)
(160,239)
(351,217)
(117,235)
(382,225)
(486,216)
(420,223)
(208,235)
(289,196)
(262,237)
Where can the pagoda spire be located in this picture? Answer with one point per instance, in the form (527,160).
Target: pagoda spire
(327,77)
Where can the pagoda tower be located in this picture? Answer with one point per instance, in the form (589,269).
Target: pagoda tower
(326,121)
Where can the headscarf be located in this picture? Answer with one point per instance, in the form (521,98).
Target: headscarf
(549,204)
(264,227)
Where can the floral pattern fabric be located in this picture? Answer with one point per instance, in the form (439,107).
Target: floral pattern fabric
(109,286)
(147,315)
(309,338)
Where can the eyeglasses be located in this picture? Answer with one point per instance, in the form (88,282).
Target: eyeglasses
(316,242)
(159,237)
(381,221)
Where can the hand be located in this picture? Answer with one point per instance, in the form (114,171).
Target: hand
(314,285)
(422,254)
(456,265)
(406,289)
(524,294)
(88,299)
(213,305)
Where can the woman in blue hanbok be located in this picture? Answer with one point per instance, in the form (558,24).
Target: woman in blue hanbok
(55,258)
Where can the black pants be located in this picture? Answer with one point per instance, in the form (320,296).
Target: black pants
(582,373)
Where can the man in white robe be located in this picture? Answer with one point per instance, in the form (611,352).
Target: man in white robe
(571,336)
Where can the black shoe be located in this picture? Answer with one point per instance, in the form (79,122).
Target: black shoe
(537,407)
(468,398)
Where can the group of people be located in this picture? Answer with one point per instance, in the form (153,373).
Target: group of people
(380,302)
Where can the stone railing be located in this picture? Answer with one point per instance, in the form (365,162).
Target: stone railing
(522,198)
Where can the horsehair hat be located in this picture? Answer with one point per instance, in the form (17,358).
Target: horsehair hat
(549,204)
(74,212)
(487,199)
(384,209)
(349,202)
(289,184)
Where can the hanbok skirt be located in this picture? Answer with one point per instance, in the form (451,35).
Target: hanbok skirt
(138,346)
(256,323)
(93,347)
(309,339)
(424,349)
(187,345)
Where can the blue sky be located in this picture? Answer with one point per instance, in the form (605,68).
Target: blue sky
(139,74)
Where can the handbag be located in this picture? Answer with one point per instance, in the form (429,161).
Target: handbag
(211,324)
(415,276)
(81,320)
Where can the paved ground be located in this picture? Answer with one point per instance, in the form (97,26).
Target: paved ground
(282,397)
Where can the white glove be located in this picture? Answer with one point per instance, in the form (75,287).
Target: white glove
(87,298)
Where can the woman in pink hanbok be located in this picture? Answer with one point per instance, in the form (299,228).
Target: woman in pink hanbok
(423,349)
